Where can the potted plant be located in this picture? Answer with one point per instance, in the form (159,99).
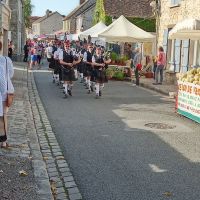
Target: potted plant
(113,57)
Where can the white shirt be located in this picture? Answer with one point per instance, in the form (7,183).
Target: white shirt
(49,51)
(57,53)
(6,86)
(61,54)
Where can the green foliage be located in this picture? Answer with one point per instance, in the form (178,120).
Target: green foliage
(148,25)
(114,56)
(108,20)
(99,13)
(28,7)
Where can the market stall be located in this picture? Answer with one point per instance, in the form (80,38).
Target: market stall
(188,100)
(188,96)
(93,33)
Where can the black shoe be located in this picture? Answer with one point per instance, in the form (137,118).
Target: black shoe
(89,92)
(100,93)
(69,92)
(54,81)
(65,97)
(155,83)
(159,83)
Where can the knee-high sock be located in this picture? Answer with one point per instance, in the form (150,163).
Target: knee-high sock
(81,74)
(65,85)
(57,77)
(70,86)
(89,84)
(97,88)
(101,87)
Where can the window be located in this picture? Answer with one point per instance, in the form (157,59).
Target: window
(175,2)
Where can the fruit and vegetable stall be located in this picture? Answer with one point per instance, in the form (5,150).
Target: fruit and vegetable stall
(188,100)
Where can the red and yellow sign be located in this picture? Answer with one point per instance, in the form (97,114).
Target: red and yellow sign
(189,100)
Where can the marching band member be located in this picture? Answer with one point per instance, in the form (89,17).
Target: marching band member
(67,61)
(89,68)
(57,68)
(100,62)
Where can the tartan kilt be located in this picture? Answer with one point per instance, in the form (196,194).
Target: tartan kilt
(68,74)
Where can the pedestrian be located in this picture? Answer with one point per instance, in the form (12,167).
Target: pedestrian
(34,58)
(26,50)
(161,62)
(137,65)
(154,66)
(6,87)
(10,50)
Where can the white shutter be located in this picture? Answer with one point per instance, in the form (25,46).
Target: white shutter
(177,55)
(185,58)
(165,40)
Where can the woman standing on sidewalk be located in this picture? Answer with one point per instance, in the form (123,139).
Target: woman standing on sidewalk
(161,61)
(6,87)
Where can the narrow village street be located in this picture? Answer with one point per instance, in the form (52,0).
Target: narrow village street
(113,150)
(100,100)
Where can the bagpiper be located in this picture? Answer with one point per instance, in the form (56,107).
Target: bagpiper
(100,64)
(67,61)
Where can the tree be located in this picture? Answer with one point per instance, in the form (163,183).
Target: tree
(99,13)
(28,8)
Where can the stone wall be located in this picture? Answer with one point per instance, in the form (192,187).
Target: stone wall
(86,11)
(51,24)
(17,28)
(172,15)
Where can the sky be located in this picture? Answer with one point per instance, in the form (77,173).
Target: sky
(64,7)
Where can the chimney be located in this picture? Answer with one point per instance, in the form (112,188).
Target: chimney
(82,1)
(47,12)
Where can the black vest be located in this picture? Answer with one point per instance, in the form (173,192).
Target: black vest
(68,57)
(89,56)
(99,59)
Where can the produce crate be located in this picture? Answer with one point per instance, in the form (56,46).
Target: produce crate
(188,101)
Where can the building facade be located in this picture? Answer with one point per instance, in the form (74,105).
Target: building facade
(81,18)
(48,24)
(181,54)
(17,28)
(5,14)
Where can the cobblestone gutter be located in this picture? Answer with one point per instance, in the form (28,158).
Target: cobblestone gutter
(47,153)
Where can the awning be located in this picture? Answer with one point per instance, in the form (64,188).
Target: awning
(121,30)
(186,29)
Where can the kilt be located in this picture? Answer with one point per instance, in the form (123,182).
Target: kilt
(68,74)
(80,67)
(101,76)
(51,63)
(88,70)
(57,67)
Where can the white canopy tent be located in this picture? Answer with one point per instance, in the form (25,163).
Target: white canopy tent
(121,30)
(186,29)
(93,31)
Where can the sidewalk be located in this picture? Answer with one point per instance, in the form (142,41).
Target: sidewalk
(18,156)
(166,89)
(34,149)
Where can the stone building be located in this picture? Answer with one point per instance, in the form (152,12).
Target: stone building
(48,24)
(17,28)
(5,14)
(181,54)
(81,18)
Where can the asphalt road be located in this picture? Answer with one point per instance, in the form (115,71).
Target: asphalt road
(112,154)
